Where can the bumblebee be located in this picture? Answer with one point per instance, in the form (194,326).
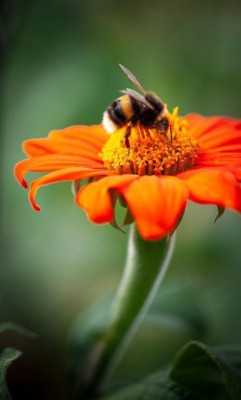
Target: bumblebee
(133,108)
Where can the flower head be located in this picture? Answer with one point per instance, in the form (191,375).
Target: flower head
(154,177)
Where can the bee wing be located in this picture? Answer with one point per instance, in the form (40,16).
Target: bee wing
(132,78)
(138,97)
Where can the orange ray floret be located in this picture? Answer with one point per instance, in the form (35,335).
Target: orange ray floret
(154,177)
(156,204)
(96,199)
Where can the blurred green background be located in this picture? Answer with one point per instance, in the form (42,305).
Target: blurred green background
(61,68)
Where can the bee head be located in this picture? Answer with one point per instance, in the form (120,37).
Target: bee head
(163,124)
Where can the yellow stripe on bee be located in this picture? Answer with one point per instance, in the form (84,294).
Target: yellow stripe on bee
(126,106)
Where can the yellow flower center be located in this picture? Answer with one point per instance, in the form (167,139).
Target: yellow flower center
(151,152)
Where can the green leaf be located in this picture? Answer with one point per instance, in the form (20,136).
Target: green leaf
(210,372)
(10,326)
(6,358)
(156,387)
(198,372)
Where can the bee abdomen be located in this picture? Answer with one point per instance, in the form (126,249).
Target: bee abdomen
(116,113)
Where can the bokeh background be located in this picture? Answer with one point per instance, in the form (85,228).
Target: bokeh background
(61,68)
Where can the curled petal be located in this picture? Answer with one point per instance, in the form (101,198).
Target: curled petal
(213,186)
(66,174)
(156,204)
(96,200)
(52,162)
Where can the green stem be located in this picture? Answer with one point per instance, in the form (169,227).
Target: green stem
(146,264)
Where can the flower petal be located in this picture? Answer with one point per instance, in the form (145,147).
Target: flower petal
(52,162)
(66,174)
(156,204)
(95,198)
(222,133)
(219,139)
(96,134)
(71,140)
(213,186)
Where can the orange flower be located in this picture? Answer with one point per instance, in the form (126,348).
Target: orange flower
(154,178)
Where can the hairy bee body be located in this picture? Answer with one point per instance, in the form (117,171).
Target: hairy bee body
(133,108)
(118,113)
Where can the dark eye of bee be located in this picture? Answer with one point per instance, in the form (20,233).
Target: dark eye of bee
(164,123)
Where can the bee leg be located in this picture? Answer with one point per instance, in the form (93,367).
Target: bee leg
(140,131)
(147,133)
(127,135)
(170,132)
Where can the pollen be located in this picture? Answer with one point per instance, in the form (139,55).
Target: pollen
(150,151)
